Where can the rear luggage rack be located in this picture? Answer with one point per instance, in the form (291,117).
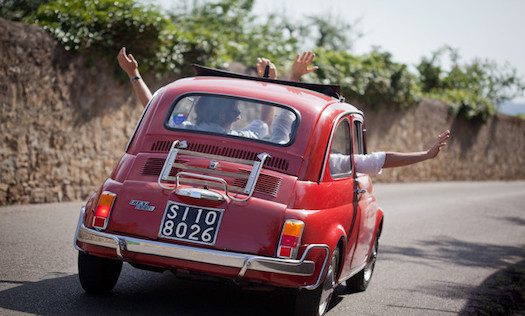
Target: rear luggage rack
(208,177)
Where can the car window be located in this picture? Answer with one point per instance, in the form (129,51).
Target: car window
(234,117)
(340,162)
(358,138)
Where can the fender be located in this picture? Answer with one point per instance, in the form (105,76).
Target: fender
(335,233)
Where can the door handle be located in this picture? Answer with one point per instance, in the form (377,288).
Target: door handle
(360,191)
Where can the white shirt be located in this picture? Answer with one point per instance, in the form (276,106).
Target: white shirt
(282,127)
(256,129)
(369,164)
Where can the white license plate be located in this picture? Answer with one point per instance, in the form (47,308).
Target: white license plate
(190,223)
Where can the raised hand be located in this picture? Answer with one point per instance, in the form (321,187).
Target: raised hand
(128,63)
(261,65)
(301,64)
(131,67)
(441,141)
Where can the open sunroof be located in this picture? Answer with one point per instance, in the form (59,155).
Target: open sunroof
(327,89)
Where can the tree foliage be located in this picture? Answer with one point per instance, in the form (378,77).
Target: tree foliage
(332,33)
(373,78)
(103,26)
(216,33)
(473,89)
(17,10)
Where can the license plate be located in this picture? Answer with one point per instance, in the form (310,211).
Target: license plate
(190,223)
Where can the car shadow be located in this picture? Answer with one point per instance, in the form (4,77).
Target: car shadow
(499,294)
(502,293)
(141,292)
(514,220)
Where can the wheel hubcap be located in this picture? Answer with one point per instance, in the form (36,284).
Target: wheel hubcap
(328,287)
(370,264)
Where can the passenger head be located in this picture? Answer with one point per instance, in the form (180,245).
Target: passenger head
(218,110)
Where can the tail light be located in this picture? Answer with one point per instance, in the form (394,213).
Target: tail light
(103,209)
(290,238)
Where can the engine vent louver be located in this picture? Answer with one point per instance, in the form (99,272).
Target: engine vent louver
(273,162)
(161,145)
(153,167)
(265,184)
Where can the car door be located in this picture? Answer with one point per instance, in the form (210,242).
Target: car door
(364,198)
(341,172)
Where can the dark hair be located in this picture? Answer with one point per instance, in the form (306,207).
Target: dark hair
(213,109)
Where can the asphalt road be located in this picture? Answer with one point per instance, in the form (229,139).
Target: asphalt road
(447,248)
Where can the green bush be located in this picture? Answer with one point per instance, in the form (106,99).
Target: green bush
(17,10)
(103,26)
(211,33)
(373,78)
(472,89)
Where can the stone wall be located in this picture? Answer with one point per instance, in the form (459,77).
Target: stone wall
(494,150)
(65,121)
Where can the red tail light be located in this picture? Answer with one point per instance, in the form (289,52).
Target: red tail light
(290,238)
(105,203)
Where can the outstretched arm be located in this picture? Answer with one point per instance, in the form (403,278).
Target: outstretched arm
(301,65)
(130,66)
(395,159)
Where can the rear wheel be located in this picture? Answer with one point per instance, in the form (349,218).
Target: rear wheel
(360,281)
(97,275)
(316,302)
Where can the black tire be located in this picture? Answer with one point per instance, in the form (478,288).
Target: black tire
(316,302)
(97,275)
(360,281)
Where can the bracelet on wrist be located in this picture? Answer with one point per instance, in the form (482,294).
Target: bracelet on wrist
(133,79)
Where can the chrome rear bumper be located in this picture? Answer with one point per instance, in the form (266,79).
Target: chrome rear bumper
(243,262)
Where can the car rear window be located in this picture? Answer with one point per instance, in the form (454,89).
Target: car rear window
(232,116)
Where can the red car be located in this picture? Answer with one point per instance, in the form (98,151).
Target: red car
(234,177)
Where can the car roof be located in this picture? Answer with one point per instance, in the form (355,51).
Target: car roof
(307,102)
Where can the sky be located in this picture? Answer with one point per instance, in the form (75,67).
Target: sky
(410,29)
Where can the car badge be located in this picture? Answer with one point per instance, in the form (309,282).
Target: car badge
(213,164)
(142,205)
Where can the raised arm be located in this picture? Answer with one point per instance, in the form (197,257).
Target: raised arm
(261,65)
(268,112)
(395,159)
(301,65)
(130,66)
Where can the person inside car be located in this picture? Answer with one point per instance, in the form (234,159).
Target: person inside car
(281,126)
(217,114)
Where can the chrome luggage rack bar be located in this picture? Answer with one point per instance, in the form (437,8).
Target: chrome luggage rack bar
(208,177)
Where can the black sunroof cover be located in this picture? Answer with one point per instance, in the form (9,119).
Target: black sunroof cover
(327,89)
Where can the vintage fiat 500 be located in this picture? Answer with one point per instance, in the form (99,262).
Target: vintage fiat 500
(234,177)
